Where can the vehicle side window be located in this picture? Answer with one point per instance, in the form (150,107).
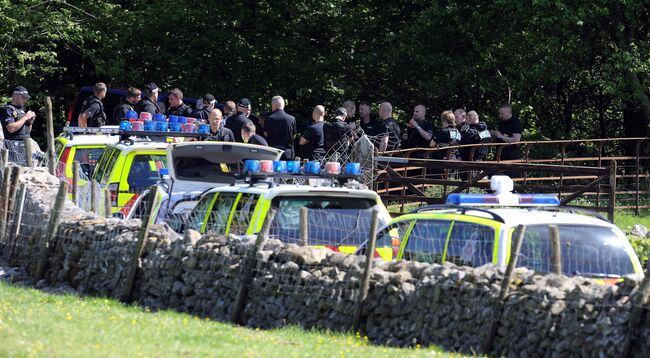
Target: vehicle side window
(427,241)
(140,209)
(58,148)
(88,158)
(143,172)
(200,210)
(101,164)
(218,219)
(110,162)
(243,213)
(470,244)
(393,234)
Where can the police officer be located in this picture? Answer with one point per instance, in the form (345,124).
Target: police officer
(16,123)
(149,102)
(446,136)
(132,98)
(369,124)
(237,120)
(337,132)
(249,136)
(209,102)
(92,111)
(313,140)
(351,109)
(508,131)
(217,131)
(474,132)
(176,105)
(419,132)
(280,128)
(389,131)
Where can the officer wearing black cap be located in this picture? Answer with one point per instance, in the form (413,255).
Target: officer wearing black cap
(16,123)
(92,111)
(280,128)
(337,132)
(149,102)
(203,113)
(237,120)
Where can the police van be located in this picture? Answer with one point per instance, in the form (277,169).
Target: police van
(83,145)
(476,230)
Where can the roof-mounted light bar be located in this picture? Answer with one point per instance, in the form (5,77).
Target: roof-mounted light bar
(503,200)
(92,130)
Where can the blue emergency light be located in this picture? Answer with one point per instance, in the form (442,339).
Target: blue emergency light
(312,168)
(353,169)
(503,199)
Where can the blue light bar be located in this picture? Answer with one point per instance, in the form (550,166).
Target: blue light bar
(503,200)
(353,169)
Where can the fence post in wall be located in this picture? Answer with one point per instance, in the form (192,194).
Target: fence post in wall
(365,280)
(4,157)
(49,124)
(134,263)
(76,169)
(107,203)
(8,201)
(556,249)
(52,226)
(4,199)
(18,211)
(29,160)
(94,208)
(247,271)
(488,344)
(304,226)
(611,206)
(639,305)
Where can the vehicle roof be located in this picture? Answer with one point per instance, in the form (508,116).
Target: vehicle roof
(292,189)
(89,139)
(127,147)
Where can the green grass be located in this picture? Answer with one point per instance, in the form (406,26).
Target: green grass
(34,323)
(625,220)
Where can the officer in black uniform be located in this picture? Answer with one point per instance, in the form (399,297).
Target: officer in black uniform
(280,128)
(369,124)
(337,133)
(92,111)
(249,136)
(313,140)
(508,131)
(217,131)
(389,133)
(237,120)
(419,132)
(474,132)
(16,124)
(132,98)
(149,102)
(209,102)
(446,136)
(176,105)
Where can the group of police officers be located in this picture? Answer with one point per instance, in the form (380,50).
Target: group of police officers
(236,123)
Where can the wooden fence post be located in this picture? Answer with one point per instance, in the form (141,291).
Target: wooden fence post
(18,211)
(134,263)
(611,206)
(556,249)
(93,197)
(8,201)
(5,156)
(304,226)
(365,280)
(488,344)
(247,272)
(639,302)
(4,200)
(107,203)
(52,226)
(76,169)
(28,152)
(49,124)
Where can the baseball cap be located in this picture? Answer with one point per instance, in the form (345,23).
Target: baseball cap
(22,91)
(341,112)
(151,87)
(209,98)
(244,102)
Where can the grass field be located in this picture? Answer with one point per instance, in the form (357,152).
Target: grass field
(34,323)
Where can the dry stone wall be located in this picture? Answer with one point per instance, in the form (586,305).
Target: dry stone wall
(408,303)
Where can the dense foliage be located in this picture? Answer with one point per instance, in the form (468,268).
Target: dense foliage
(573,69)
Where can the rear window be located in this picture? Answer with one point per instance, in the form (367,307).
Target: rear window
(88,156)
(335,221)
(144,169)
(590,251)
(201,168)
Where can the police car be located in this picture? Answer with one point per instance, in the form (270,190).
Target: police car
(83,145)
(476,230)
(339,214)
(195,167)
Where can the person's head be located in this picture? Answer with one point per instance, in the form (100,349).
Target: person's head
(133,95)
(364,110)
(247,131)
(460,115)
(99,90)
(385,110)
(419,112)
(151,91)
(505,112)
(447,119)
(229,108)
(215,118)
(244,106)
(19,96)
(472,117)
(209,101)
(341,114)
(318,114)
(277,102)
(350,107)
(175,97)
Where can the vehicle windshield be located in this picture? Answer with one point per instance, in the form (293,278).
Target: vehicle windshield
(590,251)
(333,221)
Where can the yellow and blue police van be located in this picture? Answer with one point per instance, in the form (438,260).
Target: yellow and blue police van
(476,230)
(83,145)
